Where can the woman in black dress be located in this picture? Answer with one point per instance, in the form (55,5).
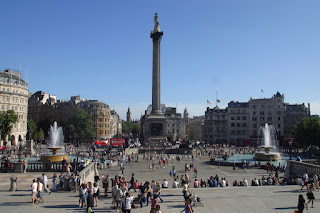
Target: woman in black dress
(301,203)
(90,201)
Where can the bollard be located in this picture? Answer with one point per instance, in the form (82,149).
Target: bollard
(13,186)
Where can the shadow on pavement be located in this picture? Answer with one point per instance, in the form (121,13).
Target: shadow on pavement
(15,203)
(284,208)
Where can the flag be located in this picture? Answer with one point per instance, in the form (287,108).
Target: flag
(218,100)
(262,91)
(208,102)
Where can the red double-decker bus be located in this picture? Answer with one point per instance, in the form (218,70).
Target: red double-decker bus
(114,142)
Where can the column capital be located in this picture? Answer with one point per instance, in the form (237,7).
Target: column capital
(155,35)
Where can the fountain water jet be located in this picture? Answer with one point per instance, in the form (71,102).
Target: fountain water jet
(56,145)
(269,150)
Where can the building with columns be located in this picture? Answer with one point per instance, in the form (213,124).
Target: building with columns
(241,121)
(14,96)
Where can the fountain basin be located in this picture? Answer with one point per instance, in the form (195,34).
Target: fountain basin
(270,156)
(54,158)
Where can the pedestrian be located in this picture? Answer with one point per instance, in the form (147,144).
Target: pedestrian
(310,195)
(40,190)
(54,182)
(96,193)
(90,199)
(118,197)
(301,204)
(127,200)
(158,210)
(96,179)
(83,194)
(25,165)
(154,202)
(45,183)
(61,178)
(187,207)
(34,189)
(106,182)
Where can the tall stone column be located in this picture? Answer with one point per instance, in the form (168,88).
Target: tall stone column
(156,36)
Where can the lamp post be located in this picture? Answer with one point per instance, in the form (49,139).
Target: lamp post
(20,140)
(290,148)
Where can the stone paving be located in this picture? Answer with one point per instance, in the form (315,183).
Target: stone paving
(230,199)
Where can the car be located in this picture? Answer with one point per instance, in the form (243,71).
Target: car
(3,147)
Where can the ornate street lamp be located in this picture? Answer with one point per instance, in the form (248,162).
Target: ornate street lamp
(20,140)
(290,147)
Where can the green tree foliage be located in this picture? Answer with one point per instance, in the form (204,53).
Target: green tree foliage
(7,119)
(130,128)
(80,125)
(136,129)
(307,132)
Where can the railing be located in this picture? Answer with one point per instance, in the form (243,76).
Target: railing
(32,167)
(298,168)
(87,174)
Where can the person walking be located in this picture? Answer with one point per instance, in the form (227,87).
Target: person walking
(310,195)
(96,192)
(34,189)
(301,204)
(45,183)
(83,195)
(90,199)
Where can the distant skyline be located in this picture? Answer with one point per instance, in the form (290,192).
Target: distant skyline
(102,50)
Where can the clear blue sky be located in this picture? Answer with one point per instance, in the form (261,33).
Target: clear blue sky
(102,50)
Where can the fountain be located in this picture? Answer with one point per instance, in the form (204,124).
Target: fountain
(269,150)
(56,145)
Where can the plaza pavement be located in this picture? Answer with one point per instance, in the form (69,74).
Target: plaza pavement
(231,199)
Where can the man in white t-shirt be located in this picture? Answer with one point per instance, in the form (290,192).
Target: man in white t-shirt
(127,199)
(165,183)
(34,188)
(45,183)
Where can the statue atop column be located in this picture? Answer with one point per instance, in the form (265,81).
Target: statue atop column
(156,23)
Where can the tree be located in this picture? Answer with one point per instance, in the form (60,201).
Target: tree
(80,125)
(130,128)
(136,129)
(7,119)
(307,132)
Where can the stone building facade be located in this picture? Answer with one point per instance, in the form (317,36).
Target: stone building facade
(294,113)
(194,128)
(44,107)
(215,125)
(241,121)
(115,124)
(14,96)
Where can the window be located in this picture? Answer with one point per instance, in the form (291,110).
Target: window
(232,124)
(232,118)
(244,118)
(254,113)
(262,113)
(254,106)
(279,125)
(238,124)
(244,125)
(279,118)
(238,118)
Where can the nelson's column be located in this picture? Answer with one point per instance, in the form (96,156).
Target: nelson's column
(155,128)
